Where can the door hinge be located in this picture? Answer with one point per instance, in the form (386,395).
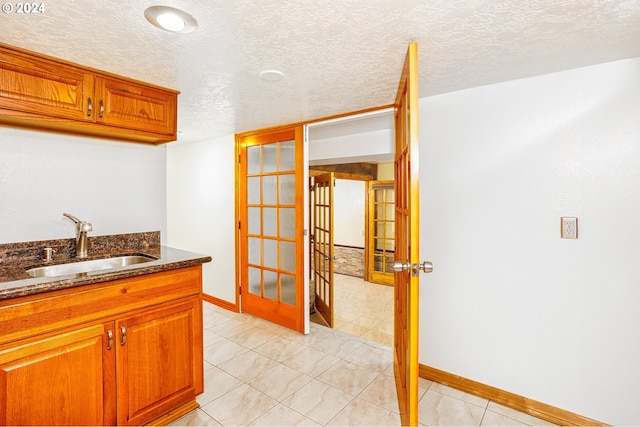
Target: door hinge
(239,224)
(239,157)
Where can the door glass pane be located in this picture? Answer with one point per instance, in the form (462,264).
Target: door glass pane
(271,285)
(254,220)
(287,156)
(287,189)
(270,253)
(269,222)
(389,264)
(288,223)
(288,286)
(388,233)
(389,195)
(378,262)
(269,158)
(253,159)
(288,256)
(269,196)
(254,280)
(253,190)
(254,251)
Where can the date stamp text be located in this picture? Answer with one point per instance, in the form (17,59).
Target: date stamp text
(23,8)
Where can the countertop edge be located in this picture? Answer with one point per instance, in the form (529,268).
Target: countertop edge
(168,259)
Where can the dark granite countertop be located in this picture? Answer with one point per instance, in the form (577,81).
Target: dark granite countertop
(16,258)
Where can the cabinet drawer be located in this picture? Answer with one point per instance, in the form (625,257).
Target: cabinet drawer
(37,314)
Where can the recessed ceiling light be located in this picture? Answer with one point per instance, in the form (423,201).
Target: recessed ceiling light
(170,19)
(271,75)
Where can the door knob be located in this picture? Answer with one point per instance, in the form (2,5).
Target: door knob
(425,266)
(401,266)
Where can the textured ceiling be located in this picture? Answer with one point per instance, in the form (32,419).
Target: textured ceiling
(337,55)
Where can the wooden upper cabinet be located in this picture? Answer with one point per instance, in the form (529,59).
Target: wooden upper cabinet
(135,106)
(38,86)
(45,93)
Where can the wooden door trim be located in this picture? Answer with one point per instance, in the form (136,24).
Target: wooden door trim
(514,401)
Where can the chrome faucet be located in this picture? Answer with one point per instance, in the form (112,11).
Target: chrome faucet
(82,227)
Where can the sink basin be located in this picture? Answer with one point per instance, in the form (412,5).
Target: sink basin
(87,266)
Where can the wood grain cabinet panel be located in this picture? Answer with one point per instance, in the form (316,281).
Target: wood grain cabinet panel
(36,85)
(37,91)
(155,362)
(134,106)
(57,380)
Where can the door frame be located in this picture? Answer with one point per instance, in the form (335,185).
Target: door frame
(384,109)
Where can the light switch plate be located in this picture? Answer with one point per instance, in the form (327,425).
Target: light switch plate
(569,227)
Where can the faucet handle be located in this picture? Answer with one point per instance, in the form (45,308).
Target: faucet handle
(84,226)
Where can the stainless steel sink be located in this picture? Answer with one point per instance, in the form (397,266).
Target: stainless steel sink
(87,266)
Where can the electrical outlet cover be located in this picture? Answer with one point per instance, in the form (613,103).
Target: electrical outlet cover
(569,227)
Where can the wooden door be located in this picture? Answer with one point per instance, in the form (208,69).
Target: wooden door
(38,86)
(270,234)
(407,265)
(322,244)
(129,105)
(159,361)
(380,247)
(65,379)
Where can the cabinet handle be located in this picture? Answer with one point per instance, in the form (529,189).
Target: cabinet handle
(89,107)
(109,339)
(123,341)
(101,111)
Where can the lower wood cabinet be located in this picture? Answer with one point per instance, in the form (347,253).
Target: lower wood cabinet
(65,379)
(155,368)
(134,367)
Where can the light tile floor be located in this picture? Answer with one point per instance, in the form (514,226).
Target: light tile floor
(362,309)
(258,373)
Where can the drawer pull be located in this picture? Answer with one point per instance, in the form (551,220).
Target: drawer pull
(123,341)
(89,107)
(109,339)
(101,111)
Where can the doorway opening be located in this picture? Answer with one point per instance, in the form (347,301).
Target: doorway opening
(359,151)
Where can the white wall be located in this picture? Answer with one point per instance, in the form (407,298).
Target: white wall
(509,303)
(366,146)
(348,222)
(386,171)
(201,215)
(118,187)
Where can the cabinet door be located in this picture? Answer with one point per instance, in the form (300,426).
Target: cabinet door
(159,361)
(38,86)
(134,106)
(66,379)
